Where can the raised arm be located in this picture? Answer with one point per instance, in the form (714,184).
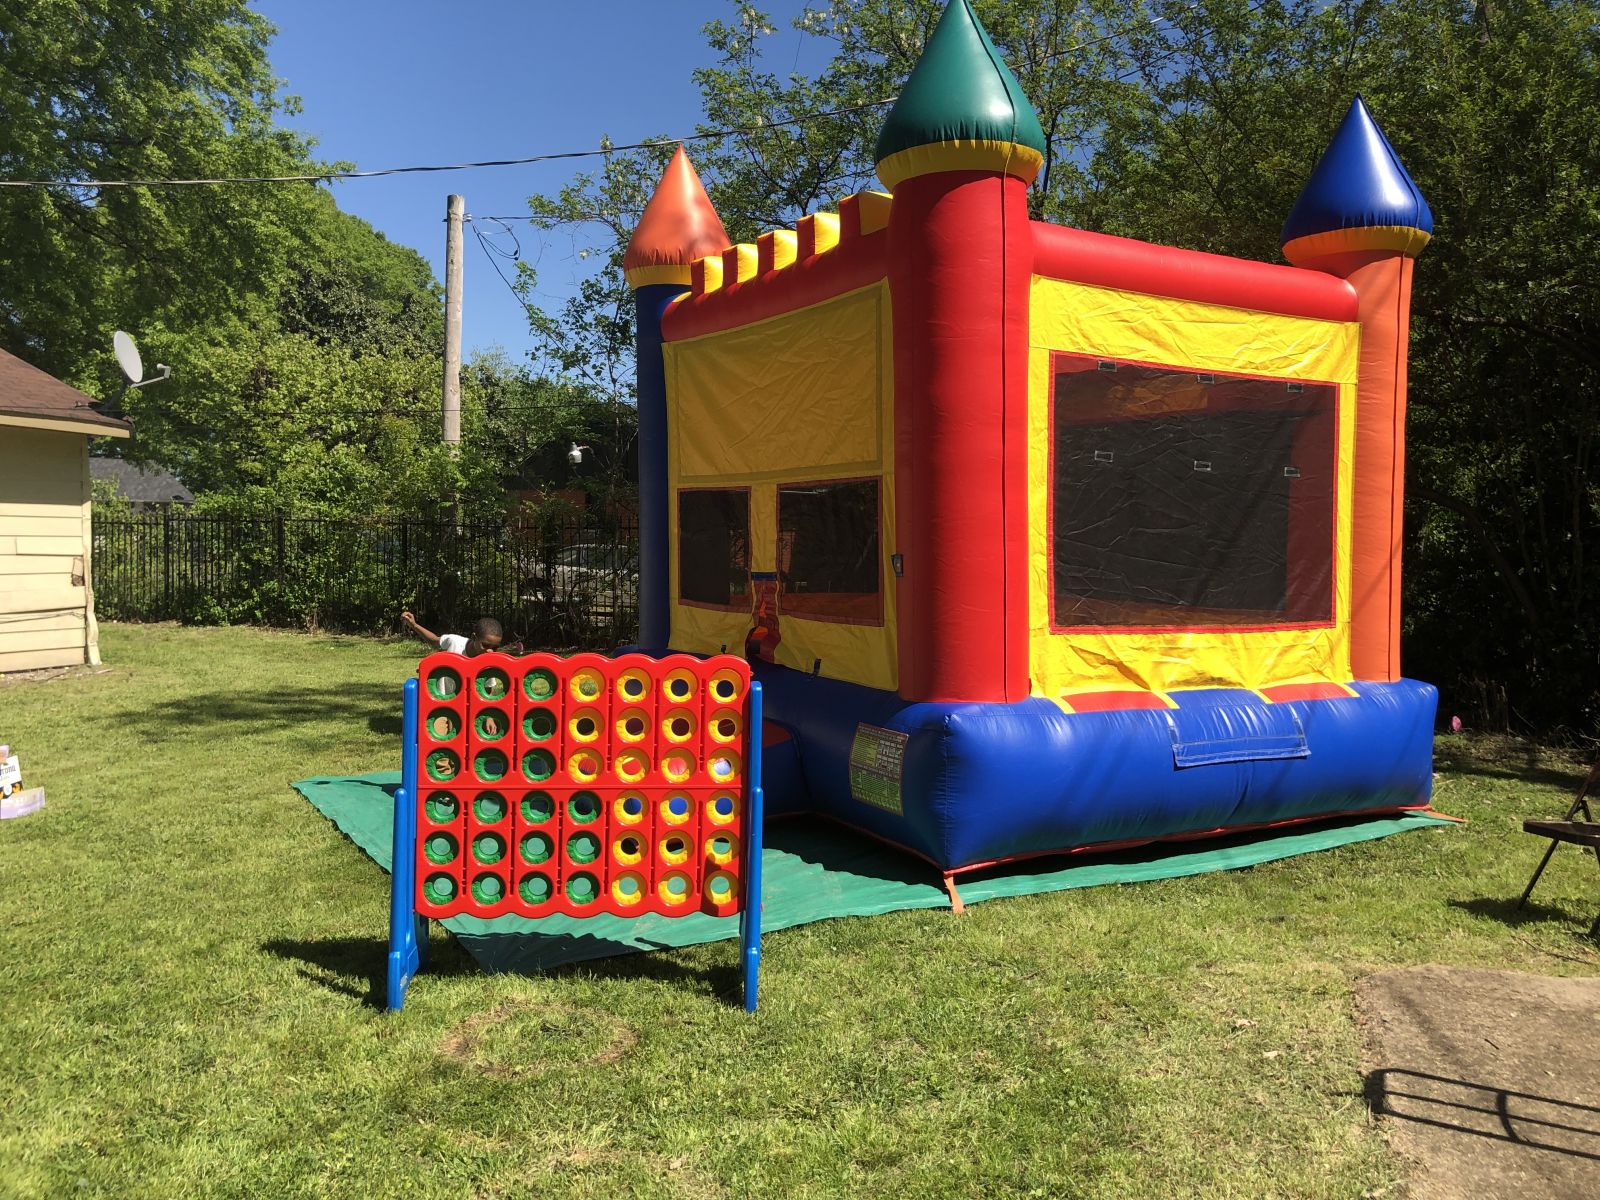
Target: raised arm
(425,634)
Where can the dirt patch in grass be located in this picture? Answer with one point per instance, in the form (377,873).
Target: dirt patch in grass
(1488,1081)
(576,1038)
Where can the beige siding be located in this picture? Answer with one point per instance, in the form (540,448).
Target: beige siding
(46,610)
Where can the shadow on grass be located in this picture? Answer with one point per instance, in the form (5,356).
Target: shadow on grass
(358,967)
(375,705)
(1505,911)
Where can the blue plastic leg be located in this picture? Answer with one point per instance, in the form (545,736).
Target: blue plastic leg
(407,945)
(750,913)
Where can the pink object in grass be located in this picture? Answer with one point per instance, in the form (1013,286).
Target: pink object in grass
(1455,724)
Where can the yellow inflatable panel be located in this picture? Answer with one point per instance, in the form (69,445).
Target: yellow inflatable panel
(1106,323)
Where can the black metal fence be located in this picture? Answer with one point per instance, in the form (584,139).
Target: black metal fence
(565,582)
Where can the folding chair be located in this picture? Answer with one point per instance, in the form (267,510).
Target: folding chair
(1580,833)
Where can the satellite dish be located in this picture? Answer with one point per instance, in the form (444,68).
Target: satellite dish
(127,356)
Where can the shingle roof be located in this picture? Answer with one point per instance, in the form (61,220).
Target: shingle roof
(26,391)
(139,485)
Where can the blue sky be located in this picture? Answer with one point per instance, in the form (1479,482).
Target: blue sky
(398,82)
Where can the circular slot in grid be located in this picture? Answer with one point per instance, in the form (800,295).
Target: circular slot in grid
(722,848)
(678,726)
(586,685)
(674,849)
(583,847)
(725,687)
(632,766)
(490,765)
(676,810)
(633,685)
(491,724)
(442,725)
(679,686)
(722,808)
(439,889)
(585,725)
(441,808)
(585,766)
(583,807)
(677,765)
(492,684)
(628,889)
(440,848)
(628,808)
(538,765)
(582,888)
(444,683)
(628,849)
(721,887)
(535,888)
(488,848)
(537,807)
(723,766)
(536,847)
(489,807)
(633,725)
(725,726)
(442,765)
(675,889)
(488,888)
(539,725)
(539,684)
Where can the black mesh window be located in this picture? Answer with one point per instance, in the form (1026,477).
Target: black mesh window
(714,547)
(1189,499)
(828,551)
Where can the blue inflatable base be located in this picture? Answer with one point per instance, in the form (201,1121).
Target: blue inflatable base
(965,785)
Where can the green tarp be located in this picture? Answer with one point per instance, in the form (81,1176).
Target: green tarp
(813,870)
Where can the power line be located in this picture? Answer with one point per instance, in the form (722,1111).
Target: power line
(325,176)
(649,144)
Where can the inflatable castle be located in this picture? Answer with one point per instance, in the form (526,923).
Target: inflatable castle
(1039,540)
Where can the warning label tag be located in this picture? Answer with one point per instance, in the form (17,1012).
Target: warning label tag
(877,760)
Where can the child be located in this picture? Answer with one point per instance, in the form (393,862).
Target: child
(486,635)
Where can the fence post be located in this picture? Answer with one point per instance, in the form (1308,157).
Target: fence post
(166,562)
(277,539)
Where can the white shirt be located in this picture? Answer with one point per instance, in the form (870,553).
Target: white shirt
(452,643)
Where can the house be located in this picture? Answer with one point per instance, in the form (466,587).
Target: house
(143,490)
(46,605)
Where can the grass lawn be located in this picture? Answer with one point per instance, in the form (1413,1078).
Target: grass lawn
(190,959)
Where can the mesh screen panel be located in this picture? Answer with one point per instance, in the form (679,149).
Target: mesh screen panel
(714,547)
(1188,499)
(828,550)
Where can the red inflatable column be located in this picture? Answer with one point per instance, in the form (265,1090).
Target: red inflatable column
(960,269)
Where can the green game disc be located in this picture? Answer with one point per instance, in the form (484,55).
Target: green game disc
(441,807)
(582,888)
(536,847)
(583,847)
(488,847)
(538,765)
(487,889)
(493,683)
(539,724)
(439,889)
(443,765)
(443,725)
(443,683)
(489,807)
(491,724)
(440,848)
(490,764)
(537,807)
(539,684)
(535,888)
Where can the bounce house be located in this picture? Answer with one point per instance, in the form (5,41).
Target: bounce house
(1039,540)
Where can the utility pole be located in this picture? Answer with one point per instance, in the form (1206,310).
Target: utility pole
(452,321)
